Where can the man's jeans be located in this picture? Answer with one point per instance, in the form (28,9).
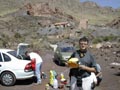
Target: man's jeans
(38,72)
(73,84)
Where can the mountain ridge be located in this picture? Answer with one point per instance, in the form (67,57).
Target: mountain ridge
(77,9)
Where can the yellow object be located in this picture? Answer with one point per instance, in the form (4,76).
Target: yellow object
(51,77)
(62,78)
(47,87)
(73,62)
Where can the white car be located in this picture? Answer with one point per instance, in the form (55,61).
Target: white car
(12,68)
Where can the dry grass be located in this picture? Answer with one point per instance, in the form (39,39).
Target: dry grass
(5,12)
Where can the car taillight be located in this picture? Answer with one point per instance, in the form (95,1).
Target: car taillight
(30,66)
(33,62)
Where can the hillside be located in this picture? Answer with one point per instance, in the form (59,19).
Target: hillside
(17,26)
(89,10)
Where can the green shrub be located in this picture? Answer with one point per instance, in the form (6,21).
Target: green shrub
(109,38)
(17,35)
(97,40)
(105,38)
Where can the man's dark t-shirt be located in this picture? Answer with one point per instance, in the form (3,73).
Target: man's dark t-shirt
(85,58)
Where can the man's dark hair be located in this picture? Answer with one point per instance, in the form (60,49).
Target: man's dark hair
(84,39)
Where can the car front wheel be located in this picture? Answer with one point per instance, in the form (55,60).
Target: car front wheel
(8,79)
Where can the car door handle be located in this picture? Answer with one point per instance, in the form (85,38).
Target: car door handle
(0,65)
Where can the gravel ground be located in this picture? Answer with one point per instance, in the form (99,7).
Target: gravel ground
(111,77)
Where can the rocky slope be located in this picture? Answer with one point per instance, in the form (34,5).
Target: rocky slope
(16,26)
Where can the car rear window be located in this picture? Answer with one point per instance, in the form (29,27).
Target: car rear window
(13,53)
(67,49)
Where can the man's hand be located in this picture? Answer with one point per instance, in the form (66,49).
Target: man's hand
(66,64)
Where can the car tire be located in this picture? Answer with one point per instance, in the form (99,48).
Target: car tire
(59,62)
(8,78)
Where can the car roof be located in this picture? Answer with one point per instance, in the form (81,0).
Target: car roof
(6,50)
(65,45)
(25,44)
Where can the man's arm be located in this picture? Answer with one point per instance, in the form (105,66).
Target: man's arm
(89,69)
(99,74)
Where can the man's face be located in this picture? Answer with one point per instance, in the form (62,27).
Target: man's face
(83,45)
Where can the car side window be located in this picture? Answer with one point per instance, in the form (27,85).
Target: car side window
(0,58)
(6,58)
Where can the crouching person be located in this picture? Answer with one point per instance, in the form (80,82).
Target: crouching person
(38,65)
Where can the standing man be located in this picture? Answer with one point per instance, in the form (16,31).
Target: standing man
(38,68)
(80,77)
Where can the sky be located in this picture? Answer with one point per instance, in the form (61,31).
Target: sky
(112,3)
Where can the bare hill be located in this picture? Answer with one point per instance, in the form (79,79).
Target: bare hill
(90,10)
(17,26)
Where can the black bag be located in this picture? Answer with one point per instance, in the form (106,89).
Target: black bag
(98,81)
(79,81)
(93,86)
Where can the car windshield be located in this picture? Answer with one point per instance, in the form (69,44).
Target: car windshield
(67,49)
(13,53)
